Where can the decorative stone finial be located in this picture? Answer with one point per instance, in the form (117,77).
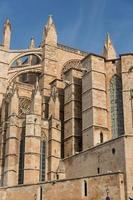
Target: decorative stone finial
(49,33)
(50,21)
(32,43)
(109,50)
(7,34)
(7,23)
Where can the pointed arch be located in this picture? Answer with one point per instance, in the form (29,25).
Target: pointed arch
(116,106)
(73,63)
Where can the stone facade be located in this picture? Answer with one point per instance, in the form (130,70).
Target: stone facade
(66,122)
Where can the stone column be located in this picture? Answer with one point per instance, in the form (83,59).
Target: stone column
(54,138)
(11,153)
(72,112)
(50,62)
(2,141)
(32,140)
(127,90)
(32,149)
(94,103)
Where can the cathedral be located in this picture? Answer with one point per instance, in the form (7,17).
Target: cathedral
(66,121)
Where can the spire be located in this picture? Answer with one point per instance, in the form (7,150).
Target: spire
(49,33)
(32,43)
(7,34)
(7,23)
(109,50)
(50,21)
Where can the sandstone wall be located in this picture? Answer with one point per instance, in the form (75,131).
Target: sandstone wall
(96,188)
(103,158)
(129,164)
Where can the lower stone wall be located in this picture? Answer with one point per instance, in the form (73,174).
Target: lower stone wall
(101,159)
(90,188)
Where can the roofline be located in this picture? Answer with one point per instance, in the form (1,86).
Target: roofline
(93,54)
(126,54)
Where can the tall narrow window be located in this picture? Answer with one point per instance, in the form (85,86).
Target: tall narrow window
(116,106)
(40,193)
(21,157)
(85,188)
(42,160)
(101,137)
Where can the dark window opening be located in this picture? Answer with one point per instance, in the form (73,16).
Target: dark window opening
(113,151)
(6,111)
(101,137)
(40,193)
(98,170)
(42,161)
(85,188)
(57,176)
(29,78)
(21,157)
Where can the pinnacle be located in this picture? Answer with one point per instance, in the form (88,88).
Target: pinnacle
(7,23)
(109,50)
(50,20)
(32,43)
(108,40)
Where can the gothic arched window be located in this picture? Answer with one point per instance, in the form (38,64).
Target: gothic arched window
(42,160)
(116,106)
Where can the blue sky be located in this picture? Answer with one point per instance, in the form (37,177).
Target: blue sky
(80,23)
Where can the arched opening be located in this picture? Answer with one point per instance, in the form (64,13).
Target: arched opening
(74,63)
(116,106)
(42,160)
(21,156)
(29,77)
(29,59)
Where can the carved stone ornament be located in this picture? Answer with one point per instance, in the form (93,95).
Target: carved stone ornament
(24,106)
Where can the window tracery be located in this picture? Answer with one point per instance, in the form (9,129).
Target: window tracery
(21,156)
(116,106)
(24,106)
(42,159)
(43,154)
